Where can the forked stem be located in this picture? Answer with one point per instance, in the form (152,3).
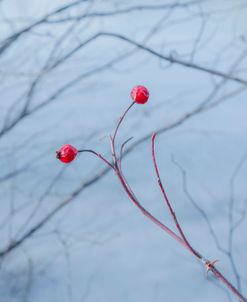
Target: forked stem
(209,265)
(116,167)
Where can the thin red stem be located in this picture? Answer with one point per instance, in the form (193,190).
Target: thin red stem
(120,121)
(145,212)
(174,217)
(207,263)
(182,240)
(228,284)
(113,138)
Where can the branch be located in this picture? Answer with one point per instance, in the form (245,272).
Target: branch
(126,10)
(173,60)
(15,37)
(151,51)
(209,265)
(181,120)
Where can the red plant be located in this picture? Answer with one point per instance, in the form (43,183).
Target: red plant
(140,95)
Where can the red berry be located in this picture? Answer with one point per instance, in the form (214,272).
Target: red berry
(139,94)
(66,153)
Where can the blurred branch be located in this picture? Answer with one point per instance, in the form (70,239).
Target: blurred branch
(26,231)
(209,265)
(197,207)
(208,223)
(13,245)
(232,226)
(25,112)
(13,38)
(128,10)
(170,58)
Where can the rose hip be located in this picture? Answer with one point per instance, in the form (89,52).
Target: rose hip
(67,153)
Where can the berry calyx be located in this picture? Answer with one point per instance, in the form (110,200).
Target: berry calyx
(139,94)
(66,153)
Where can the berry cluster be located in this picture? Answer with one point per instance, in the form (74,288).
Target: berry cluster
(67,153)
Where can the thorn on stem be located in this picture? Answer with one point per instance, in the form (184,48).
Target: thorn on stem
(209,265)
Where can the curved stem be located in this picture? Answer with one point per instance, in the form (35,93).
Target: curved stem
(98,155)
(120,121)
(113,138)
(146,213)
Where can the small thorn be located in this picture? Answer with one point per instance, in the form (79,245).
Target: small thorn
(209,265)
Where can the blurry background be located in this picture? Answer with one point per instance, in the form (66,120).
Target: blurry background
(70,233)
